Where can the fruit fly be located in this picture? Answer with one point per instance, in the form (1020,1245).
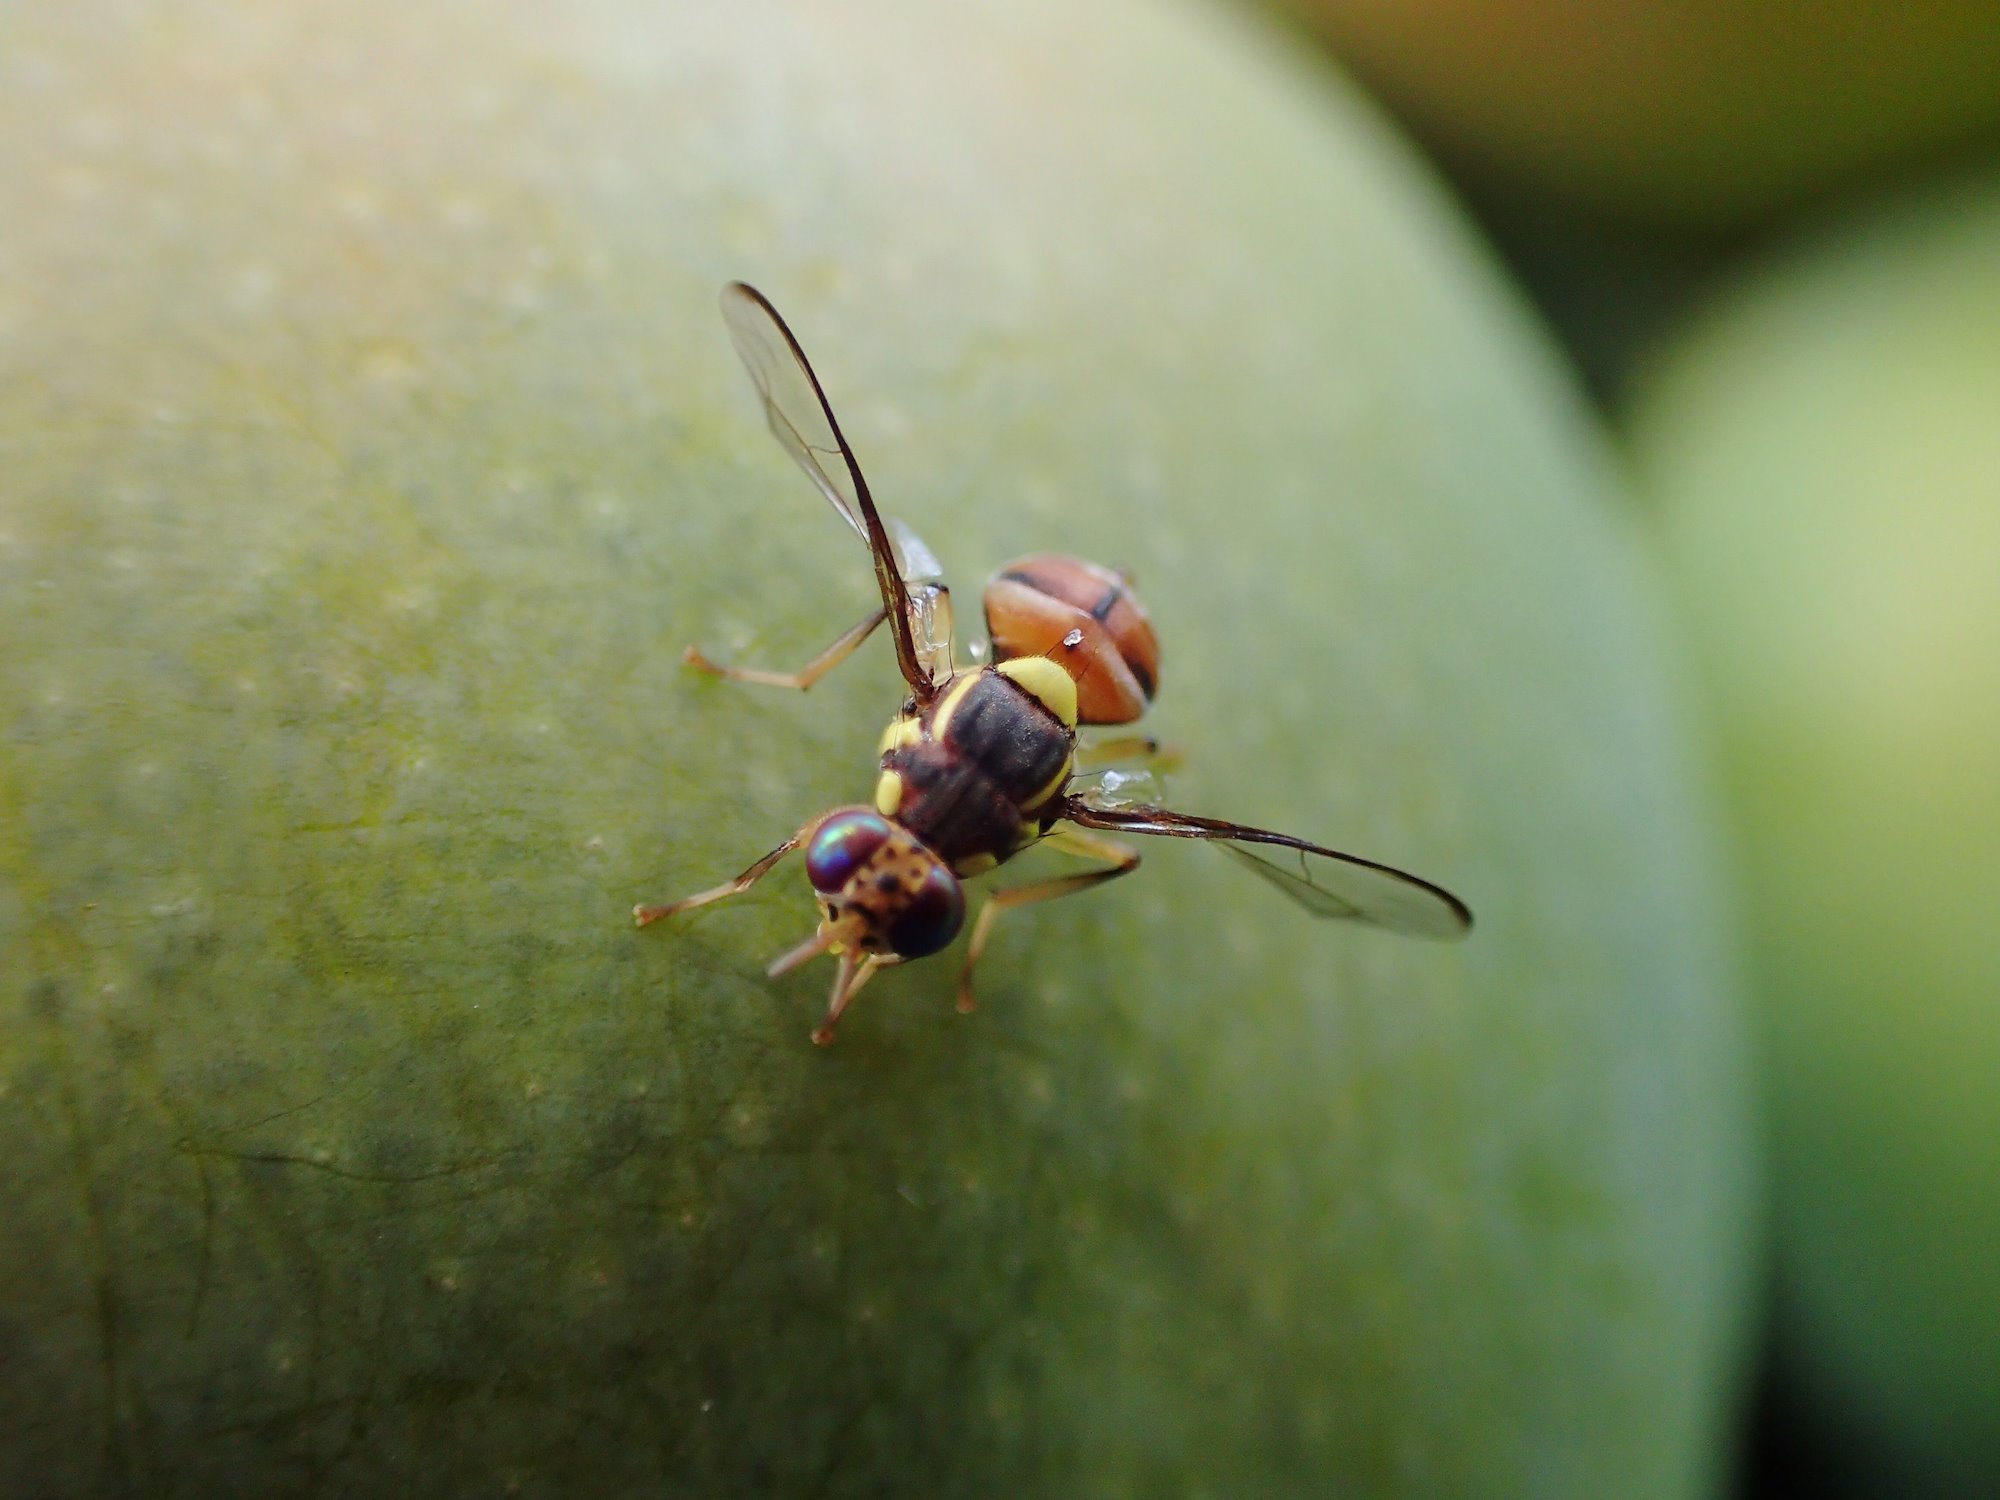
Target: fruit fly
(984,763)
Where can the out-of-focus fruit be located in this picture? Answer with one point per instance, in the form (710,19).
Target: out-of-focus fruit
(1826,455)
(1702,114)
(372,448)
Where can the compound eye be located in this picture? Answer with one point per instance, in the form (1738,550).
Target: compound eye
(935,912)
(842,845)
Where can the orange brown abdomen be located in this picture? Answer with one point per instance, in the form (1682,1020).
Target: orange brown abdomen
(1085,619)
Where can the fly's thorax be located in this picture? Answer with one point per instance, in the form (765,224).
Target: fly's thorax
(881,887)
(974,773)
(1087,620)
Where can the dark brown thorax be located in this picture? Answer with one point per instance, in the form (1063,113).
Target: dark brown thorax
(972,774)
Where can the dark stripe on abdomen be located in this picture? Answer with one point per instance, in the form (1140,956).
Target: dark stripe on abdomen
(1141,674)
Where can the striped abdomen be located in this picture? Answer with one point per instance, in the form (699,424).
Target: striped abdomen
(1085,619)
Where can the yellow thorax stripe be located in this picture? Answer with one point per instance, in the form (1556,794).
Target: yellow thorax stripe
(900,735)
(1046,681)
(948,704)
(1054,784)
(888,793)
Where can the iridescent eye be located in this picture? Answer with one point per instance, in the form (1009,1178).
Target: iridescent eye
(843,844)
(933,916)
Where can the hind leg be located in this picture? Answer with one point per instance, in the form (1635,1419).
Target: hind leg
(807,675)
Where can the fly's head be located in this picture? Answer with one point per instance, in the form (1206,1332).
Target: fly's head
(881,891)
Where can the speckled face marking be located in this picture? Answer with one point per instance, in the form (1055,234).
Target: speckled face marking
(880,885)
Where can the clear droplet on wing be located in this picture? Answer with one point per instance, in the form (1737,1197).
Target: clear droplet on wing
(1126,788)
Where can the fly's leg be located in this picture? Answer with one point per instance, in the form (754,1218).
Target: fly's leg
(1138,750)
(854,973)
(1118,861)
(807,675)
(645,916)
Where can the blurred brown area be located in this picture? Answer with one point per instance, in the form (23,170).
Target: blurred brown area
(1703,116)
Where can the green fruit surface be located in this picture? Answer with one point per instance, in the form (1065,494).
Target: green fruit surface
(1824,447)
(372,448)
(1701,114)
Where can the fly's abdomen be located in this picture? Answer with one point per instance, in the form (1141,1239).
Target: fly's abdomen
(1084,617)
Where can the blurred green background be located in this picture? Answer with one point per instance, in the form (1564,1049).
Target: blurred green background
(1770,239)
(1560,446)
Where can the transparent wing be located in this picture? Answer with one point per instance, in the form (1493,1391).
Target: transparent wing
(918,563)
(803,422)
(794,405)
(931,620)
(1324,881)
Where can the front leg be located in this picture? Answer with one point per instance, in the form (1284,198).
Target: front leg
(645,916)
(855,971)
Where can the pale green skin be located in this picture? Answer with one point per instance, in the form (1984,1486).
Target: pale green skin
(373,447)
(1824,451)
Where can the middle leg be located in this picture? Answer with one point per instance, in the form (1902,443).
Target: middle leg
(1118,861)
(1140,751)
